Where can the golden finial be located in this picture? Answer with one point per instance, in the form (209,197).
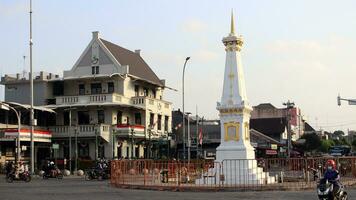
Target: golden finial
(232,31)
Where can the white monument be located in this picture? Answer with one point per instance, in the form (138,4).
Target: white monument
(235,153)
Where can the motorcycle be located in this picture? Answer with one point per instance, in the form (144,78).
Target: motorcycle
(325,191)
(25,176)
(96,174)
(54,173)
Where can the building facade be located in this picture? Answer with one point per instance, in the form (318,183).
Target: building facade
(110,104)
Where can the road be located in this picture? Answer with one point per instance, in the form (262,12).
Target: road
(78,189)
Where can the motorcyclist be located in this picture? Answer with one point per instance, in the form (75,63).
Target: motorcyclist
(20,169)
(9,168)
(332,175)
(99,167)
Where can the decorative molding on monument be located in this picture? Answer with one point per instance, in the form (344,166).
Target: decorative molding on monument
(233,43)
(234,110)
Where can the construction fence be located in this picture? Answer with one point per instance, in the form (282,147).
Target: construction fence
(232,175)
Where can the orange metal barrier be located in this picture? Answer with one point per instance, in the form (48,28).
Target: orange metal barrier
(261,174)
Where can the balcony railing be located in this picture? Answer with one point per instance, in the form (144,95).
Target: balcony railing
(140,101)
(102,130)
(152,104)
(94,98)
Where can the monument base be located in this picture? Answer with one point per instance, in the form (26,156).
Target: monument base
(236,165)
(234,153)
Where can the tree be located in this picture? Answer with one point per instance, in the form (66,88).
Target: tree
(325,145)
(354,145)
(312,142)
(339,133)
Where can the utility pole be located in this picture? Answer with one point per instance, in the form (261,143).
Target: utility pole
(132,143)
(96,143)
(289,106)
(189,141)
(70,141)
(31,91)
(202,128)
(197,132)
(76,149)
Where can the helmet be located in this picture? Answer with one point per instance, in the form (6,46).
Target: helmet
(331,163)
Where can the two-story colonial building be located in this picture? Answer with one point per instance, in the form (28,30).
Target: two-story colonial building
(110,104)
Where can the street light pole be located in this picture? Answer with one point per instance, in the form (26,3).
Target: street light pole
(31,91)
(185,63)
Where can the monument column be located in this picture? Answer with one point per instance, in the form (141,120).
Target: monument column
(234,108)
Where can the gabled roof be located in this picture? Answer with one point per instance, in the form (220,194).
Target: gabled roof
(272,127)
(264,106)
(308,127)
(137,66)
(265,137)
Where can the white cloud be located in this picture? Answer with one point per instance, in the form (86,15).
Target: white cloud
(205,55)
(13,8)
(193,26)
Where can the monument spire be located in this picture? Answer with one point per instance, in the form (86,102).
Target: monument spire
(232,27)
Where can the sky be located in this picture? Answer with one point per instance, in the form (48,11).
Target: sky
(301,51)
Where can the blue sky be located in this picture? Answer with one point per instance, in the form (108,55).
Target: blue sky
(297,50)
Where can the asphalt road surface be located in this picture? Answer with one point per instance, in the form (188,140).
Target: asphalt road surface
(79,189)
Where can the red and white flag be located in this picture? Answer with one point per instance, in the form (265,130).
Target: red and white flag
(201,136)
(178,126)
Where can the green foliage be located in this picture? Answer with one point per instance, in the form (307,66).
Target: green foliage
(312,142)
(341,141)
(339,133)
(353,144)
(325,145)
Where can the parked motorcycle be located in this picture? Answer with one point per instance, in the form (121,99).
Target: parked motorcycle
(96,174)
(325,191)
(54,173)
(25,176)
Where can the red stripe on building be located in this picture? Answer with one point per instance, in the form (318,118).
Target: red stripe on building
(44,132)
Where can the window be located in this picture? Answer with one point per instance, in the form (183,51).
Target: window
(66,118)
(101,117)
(137,91)
(166,123)
(154,93)
(83,148)
(83,117)
(159,123)
(58,88)
(152,119)
(145,92)
(127,151)
(137,152)
(127,120)
(81,89)
(101,151)
(111,87)
(119,117)
(95,88)
(95,70)
(137,118)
